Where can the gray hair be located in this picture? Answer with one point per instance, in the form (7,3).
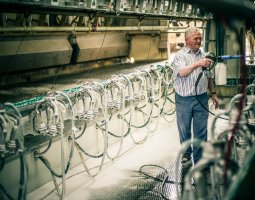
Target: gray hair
(191,30)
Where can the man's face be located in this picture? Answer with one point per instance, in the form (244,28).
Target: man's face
(193,41)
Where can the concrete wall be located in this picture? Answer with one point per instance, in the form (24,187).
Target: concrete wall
(147,47)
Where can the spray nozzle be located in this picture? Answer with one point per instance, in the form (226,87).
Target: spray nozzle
(211,56)
(226,57)
(214,58)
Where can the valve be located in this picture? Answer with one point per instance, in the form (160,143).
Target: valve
(53,130)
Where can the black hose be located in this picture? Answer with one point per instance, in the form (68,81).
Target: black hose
(86,153)
(170,100)
(83,131)
(145,123)
(47,163)
(163,181)
(197,81)
(36,153)
(23,174)
(2,189)
(23,177)
(2,161)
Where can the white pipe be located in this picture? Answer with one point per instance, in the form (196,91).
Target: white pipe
(86,29)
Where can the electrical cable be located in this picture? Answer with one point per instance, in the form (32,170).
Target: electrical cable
(101,47)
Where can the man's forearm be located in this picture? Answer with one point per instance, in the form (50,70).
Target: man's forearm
(185,71)
(211,87)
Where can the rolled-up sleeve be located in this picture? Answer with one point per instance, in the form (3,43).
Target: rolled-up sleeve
(178,62)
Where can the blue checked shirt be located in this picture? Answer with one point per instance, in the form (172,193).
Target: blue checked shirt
(185,86)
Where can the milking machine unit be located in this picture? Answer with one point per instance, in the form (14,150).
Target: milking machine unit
(68,118)
(12,144)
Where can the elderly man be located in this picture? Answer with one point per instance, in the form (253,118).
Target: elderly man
(187,65)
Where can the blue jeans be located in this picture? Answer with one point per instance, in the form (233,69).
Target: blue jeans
(190,114)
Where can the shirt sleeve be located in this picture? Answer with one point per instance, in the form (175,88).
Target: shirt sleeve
(177,63)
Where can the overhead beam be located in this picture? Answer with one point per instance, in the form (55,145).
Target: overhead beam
(229,8)
(32,8)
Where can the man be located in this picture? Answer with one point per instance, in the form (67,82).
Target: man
(187,65)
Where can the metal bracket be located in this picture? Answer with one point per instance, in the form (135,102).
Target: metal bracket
(140,18)
(92,15)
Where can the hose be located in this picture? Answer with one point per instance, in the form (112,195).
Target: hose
(146,103)
(122,106)
(37,154)
(2,189)
(23,175)
(102,155)
(21,151)
(159,106)
(82,132)
(185,146)
(165,95)
(55,120)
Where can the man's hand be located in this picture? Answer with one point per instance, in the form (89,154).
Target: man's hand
(215,100)
(205,62)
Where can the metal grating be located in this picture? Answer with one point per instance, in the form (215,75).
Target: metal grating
(143,187)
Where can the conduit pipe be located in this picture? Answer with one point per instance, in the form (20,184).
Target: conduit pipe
(87,29)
